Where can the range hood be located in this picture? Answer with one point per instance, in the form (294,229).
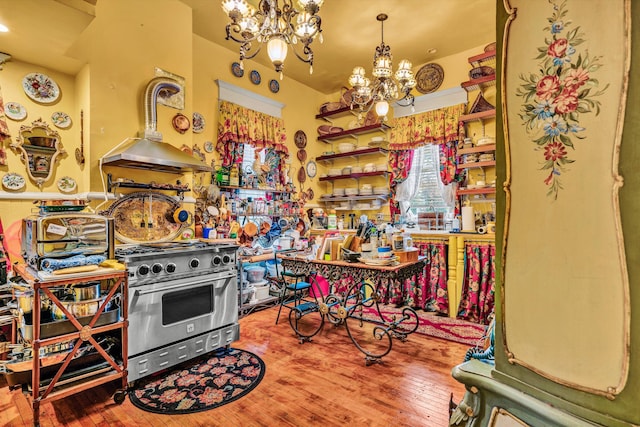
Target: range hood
(149,152)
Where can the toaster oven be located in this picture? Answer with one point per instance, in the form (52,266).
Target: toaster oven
(60,235)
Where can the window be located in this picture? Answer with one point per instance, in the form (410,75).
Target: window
(430,194)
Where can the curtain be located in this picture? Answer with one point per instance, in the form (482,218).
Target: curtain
(238,125)
(430,292)
(478,287)
(400,162)
(431,127)
(441,127)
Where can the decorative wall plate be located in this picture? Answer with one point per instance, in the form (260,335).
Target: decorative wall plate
(198,123)
(274,86)
(429,78)
(312,169)
(302,176)
(237,70)
(302,155)
(134,209)
(181,123)
(255,77)
(15,111)
(40,88)
(310,194)
(61,120)
(300,139)
(208,146)
(13,181)
(66,184)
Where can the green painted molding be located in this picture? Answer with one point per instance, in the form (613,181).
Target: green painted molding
(622,410)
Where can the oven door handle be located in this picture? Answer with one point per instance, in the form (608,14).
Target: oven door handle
(219,284)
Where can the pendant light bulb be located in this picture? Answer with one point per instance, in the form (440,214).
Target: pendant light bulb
(382,108)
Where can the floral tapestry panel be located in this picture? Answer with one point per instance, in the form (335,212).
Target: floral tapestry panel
(431,127)
(559,94)
(564,103)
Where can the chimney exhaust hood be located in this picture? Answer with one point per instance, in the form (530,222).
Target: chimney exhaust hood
(150,152)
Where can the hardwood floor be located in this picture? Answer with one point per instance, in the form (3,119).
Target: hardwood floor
(324,382)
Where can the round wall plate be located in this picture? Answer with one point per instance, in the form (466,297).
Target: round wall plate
(237,70)
(255,77)
(274,86)
(429,78)
(300,139)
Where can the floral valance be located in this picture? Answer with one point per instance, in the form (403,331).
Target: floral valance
(431,127)
(240,125)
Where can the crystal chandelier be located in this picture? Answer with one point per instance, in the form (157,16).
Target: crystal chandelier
(276,26)
(385,87)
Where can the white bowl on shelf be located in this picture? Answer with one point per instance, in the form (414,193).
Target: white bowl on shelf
(356,169)
(334,172)
(346,147)
(338,192)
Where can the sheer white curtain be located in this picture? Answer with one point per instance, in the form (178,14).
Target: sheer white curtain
(408,189)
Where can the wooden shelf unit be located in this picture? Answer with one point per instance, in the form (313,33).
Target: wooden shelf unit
(378,127)
(479,83)
(57,388)
(482,115)
(477,149)
(356,153)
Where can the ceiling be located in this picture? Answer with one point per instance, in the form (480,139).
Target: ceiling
(350,31)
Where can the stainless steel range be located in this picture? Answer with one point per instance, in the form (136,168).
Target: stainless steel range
(183,302)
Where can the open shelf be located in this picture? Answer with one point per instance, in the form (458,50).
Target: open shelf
(478,116)
(483,58)
(346,198)
(485,190)
(268,190)
(354,175)
(178,187)
(340,112)
(356,153)
(382,127)
(476,164)
(477,149)
(480,83)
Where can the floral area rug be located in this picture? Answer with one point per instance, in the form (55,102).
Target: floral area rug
(436,326)
(200,384)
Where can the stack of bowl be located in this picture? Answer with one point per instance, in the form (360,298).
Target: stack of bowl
(351,192)
(339,192)
(366,189)
(380,190)
(346,147)
(369,167)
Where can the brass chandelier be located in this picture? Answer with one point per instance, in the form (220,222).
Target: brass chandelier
(276,25)
(385,86)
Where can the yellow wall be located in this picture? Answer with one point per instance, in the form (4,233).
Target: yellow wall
(124,44)
(11,83)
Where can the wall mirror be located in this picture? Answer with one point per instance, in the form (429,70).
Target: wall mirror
(39,147)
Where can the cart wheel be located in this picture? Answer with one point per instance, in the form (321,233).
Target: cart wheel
(119,396)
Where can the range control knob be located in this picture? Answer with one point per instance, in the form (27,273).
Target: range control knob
(143,270)
(216,260)
(226,259)
(171,267)
(194,263)
(156,268)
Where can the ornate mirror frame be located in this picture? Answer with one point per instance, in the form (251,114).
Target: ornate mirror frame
(39,147)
